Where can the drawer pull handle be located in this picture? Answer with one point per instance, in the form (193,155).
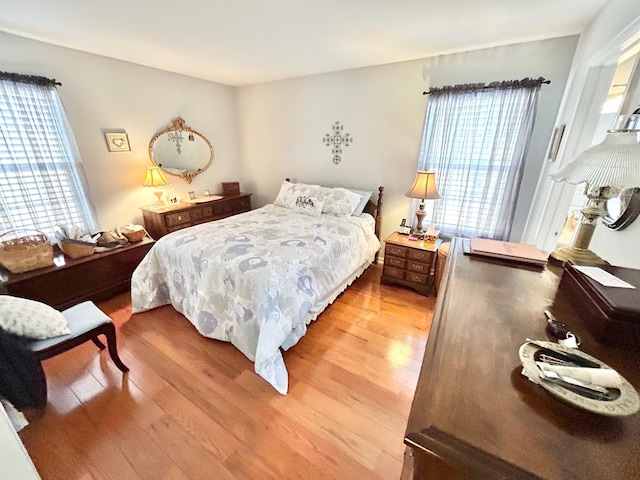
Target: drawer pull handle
(179,217)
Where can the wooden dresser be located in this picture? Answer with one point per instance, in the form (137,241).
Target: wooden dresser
(71,281)
(475,416)
(409,263)
(168,218)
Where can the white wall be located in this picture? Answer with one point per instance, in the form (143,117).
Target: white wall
(551,200)
(282,123)
(101,93)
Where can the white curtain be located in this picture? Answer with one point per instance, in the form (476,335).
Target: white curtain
(476,140)
(42,183)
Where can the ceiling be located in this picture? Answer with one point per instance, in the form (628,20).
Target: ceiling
(240,42)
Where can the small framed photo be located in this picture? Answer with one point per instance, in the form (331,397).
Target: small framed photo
(117,142)
(192,195)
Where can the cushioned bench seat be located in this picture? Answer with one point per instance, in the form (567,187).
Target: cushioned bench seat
(86,322)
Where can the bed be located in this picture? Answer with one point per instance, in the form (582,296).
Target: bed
(259,278)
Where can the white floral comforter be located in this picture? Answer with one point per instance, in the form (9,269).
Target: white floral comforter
(254,279)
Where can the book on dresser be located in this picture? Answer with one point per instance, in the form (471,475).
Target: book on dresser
(517,252)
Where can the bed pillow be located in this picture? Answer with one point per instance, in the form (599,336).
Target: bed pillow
(339,202)
(289,193)
(366,195)
(309,204)
(31,319)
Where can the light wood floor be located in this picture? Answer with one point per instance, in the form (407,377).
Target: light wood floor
(193,408)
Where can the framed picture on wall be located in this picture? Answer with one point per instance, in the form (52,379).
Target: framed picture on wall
(117,142)
(554,146)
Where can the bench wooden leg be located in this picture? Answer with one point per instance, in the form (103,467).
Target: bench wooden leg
(98,343)
(109,331)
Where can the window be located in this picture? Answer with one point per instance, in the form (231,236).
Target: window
(41,181)
(475,139)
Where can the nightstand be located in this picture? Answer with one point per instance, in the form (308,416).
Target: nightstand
(409,263)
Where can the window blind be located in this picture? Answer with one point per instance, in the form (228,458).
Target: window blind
(40,177)
(476,143)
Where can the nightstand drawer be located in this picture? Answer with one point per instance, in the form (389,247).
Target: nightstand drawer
(395,250)
(417,278)
(393,272)
(394,261)
(178,218)
(420,255)
(418,267)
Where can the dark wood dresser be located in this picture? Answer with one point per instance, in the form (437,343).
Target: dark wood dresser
(409,263)
(71,281)
(159,221)
(475,416)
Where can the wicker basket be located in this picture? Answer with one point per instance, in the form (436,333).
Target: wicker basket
(76,248)
(30,251)
(134,235)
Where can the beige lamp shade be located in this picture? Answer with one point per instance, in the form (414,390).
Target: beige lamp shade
(155,178)
(613,163)
(424,186)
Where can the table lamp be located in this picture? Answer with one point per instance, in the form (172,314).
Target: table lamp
(155,178)
(606,169)
(424,187)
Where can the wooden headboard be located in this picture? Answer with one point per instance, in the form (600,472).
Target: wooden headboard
(375,210)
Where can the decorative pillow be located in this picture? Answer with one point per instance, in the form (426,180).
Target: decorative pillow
(31,319)
(366,195)
(339,201)
(309,205)
(289,193)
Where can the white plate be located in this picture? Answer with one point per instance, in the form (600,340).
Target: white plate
(627,403)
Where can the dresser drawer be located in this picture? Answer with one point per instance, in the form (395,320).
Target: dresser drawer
(207,212)
(394,261)
(218,209)
(393,272)
(181,218)
(417,278)
(395,250)
(414,266)
(196,214)
(420,255)
(242,204)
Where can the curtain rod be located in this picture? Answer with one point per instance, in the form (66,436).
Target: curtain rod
(32,79)
(476,87)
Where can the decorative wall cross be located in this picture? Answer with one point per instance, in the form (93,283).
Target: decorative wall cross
(337,140)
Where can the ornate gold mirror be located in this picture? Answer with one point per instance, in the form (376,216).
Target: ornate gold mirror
(181,151)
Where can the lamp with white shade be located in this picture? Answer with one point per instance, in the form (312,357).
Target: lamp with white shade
(424,188)
(606,169)
(155,178)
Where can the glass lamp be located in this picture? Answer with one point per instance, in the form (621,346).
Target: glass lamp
(424,187)
(605,169)
(155,178)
